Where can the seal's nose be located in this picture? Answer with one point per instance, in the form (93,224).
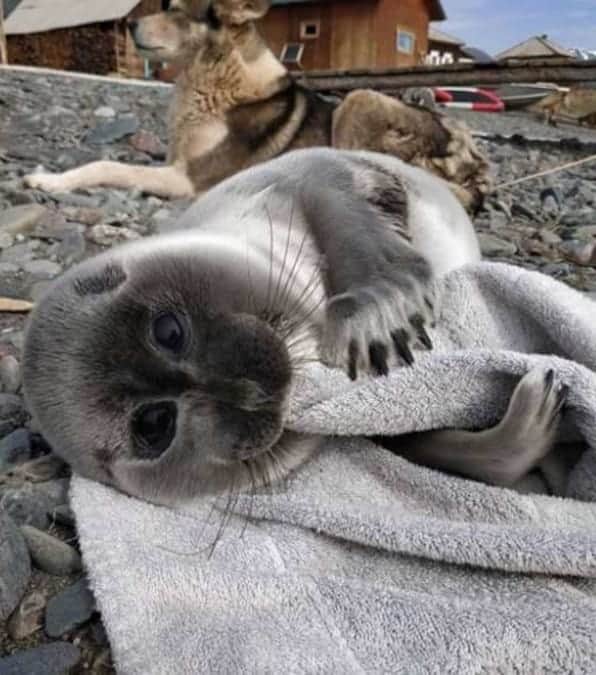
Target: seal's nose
(132,25)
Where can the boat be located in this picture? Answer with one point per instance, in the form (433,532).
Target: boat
(516,96)
(473,98)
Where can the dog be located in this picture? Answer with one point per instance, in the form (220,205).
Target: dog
(577,104)
(235,105)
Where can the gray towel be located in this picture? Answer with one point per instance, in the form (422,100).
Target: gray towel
(363,562)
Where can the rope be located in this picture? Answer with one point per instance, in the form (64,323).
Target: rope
(546,172)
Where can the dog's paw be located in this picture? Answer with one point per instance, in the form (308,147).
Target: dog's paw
(48,182)
(372,327)
(528,431)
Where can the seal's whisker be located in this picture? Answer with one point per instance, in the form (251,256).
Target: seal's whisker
(313,284)
(285,257)
(223,522)
(270,279)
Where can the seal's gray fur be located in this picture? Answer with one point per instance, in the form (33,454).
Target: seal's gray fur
(319,254)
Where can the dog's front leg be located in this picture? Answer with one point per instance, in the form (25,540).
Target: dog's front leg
(163,181)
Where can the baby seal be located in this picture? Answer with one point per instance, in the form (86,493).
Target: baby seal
(164,367)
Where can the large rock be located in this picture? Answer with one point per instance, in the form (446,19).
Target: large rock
(14,448)
(492,246)
(55,658)
(28,616)
(30,503)
(20,219)
(15,566)
(12,413)
(51,554)
(70,609)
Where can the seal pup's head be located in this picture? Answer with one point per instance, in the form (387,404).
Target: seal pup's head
(164,368)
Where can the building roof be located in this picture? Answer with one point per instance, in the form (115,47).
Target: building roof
(539,46)
(437,13)
(435,35)
(8,6)
(39,16)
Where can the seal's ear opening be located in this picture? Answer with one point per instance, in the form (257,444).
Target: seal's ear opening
(237,12)
(107,279)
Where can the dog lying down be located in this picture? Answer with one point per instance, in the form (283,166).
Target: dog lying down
(236,105)
(165,367)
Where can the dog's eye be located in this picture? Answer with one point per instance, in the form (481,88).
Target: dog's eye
(168,332)
(165,5)
(154,428)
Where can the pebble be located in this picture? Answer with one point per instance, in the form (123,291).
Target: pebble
(63,515)
(51,554)
(42,269)
(10,374)
(104,111)
(7,268)
(108,235)
(28,502)
(28,616)
(578,252)
(55,658)
(113,130)
(586,233)
(20,253)
(149,143)
(6,240)
(71,608)
(84,215)
(15,566)
(492,246)
(12,413)
(15,448)
(19,219)
(72,248)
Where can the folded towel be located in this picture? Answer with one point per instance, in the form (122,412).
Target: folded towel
(362,562)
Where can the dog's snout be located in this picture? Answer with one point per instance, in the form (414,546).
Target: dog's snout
(132,25)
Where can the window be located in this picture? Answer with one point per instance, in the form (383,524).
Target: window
(309,30)
(405,41)
(292,53)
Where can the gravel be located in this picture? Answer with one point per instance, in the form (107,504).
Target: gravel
(58,122)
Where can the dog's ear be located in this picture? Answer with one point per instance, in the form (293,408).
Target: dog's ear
(237,12)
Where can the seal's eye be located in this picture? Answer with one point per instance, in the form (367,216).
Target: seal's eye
(168,332)
(154,428)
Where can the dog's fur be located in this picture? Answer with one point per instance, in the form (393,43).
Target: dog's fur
(577,104)
(235,105)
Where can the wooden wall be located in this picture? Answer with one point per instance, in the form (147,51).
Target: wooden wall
(88,49)
(100,48)
(353,33)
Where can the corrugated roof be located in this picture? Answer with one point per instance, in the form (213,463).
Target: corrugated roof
(539,46)
(438,36)
(39,16)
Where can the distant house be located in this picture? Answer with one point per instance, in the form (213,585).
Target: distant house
(86,36)
(443,48)
(537,47)
(347,34)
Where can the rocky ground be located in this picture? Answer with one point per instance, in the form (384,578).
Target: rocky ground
(48,619)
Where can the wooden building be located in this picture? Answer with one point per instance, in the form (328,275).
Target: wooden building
(346,34)
(538,47)
(443,48)
(3,50)
(87,36)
